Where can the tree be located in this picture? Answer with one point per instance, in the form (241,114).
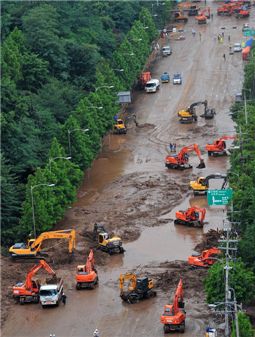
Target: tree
(245,327)
(240,278)
(80,147)
(246,246)
(10,202)
(42,32)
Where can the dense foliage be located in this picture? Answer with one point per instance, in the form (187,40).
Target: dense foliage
(61,72)
(245,328)
(240,278)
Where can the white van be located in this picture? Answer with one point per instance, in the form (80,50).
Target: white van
(166,51)
(152,85)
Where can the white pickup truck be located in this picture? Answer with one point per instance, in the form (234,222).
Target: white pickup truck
(51,293)
(152,85)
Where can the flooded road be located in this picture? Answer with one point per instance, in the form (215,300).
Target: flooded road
(133,194)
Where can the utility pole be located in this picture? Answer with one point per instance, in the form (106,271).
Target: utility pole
(229,247)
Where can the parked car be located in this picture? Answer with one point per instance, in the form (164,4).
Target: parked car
(166,51)
(237,47)
(165,77)
(177,78)
(152,85)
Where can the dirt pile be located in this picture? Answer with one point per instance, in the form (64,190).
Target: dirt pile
(210,239)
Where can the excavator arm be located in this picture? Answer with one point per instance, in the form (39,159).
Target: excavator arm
(193,105)
(90,262)
(131,278)
(178,297)
(68,234)
(186,149)
(216,176)
(42,264)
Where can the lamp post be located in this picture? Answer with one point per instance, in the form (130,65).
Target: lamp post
(32,201)
(69,137)
(52,159)
(120,70)
(96,107)
(105,86)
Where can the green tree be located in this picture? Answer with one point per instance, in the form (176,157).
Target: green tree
(10,202)
(245,327)
(240,278)
(42,32)
(80,146)
(44,202)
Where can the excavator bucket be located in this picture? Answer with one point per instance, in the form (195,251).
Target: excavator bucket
(201,164)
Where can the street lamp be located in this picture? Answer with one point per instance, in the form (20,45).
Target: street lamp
(32,201)
(69,138)
(52,159)
(105,86)
(129,54)
(96,107)
(120,70)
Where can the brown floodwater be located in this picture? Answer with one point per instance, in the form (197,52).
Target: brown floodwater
(140,155)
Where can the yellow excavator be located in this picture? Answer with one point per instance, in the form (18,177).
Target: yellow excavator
(188,115)
(110,245)
(134,289)
(33,246)
(201,185)
(119,128)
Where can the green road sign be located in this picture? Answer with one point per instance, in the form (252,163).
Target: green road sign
(219,197)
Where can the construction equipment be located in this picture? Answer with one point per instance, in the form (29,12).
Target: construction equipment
(192,217)
(180,17)
(207,258)
(242,13)
(119,128)
(134,289)
(193,11)
(174,314)
(181,160)
(203,15)
(86,275)
(28,291)
(188,115)
(105,243)
(143,79)
(33,247)
(201,185)
(218,148)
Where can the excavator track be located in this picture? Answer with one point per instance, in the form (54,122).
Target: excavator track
(196,224)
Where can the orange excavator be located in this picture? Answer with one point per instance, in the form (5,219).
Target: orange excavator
(86,275)
(218,148)
(203,16)
(192,217)
(174,314)
(28,291)
(181,160)
(205,259)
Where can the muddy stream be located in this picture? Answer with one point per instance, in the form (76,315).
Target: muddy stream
(134,195)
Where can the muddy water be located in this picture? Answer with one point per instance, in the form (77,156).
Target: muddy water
(142,151)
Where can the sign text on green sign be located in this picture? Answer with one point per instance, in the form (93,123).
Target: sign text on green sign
(219,197)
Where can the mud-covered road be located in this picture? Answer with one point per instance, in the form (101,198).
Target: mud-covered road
(133,194)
